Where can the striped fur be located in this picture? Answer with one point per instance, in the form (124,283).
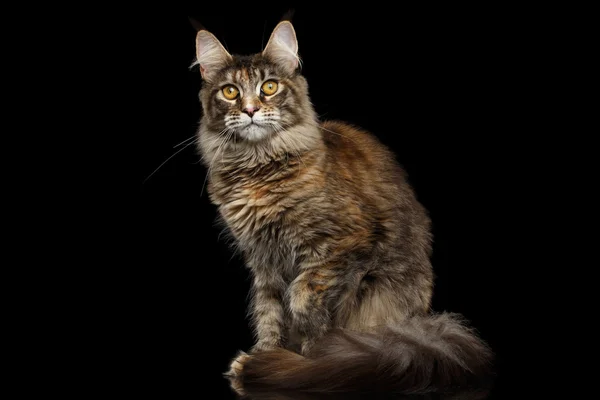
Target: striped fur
(337,243)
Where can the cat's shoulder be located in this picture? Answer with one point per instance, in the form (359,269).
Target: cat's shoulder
(336,133)
(343,128)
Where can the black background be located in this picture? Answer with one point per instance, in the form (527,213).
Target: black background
(435,84)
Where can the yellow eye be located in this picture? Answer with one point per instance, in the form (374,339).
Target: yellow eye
(230,92)
(269,87)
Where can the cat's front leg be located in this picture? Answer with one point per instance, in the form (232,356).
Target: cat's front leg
(235,375)
(267,311)
(267,317)
(310,295)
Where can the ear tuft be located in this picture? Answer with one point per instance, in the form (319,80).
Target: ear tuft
(288,16)
(196,24)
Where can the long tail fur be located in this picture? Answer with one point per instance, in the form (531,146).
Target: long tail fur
(431,355)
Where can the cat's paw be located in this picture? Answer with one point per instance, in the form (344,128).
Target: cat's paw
(235,373)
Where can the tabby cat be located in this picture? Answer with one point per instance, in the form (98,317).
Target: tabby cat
(337,244)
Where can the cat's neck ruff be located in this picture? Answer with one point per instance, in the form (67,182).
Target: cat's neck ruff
(294,141)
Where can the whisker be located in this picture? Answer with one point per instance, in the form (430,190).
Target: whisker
(211,163)
(216,139)
(177,152)
(188,139)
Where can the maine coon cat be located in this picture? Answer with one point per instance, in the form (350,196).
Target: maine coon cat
(336,241)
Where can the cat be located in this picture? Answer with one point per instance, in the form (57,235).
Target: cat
(336,241)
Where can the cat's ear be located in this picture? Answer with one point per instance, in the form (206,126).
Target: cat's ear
(210,54)
(282,47)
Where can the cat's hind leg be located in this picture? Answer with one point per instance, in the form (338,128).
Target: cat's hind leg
(310,297)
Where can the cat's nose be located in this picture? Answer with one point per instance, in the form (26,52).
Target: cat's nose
(250,110)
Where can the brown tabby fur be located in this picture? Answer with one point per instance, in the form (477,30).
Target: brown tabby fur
(337,243)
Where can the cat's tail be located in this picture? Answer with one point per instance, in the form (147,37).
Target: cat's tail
(432,354)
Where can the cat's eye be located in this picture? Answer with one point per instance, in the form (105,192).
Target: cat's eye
(269,87)
(230,92)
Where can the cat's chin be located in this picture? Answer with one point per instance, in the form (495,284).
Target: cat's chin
(254,132)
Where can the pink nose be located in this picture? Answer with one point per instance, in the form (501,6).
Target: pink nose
(250,110)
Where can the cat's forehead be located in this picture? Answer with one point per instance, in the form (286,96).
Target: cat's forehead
(248,69)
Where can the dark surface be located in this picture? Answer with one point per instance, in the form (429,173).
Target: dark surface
(430,83)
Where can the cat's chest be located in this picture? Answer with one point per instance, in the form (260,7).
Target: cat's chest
(257,214)
(253,209)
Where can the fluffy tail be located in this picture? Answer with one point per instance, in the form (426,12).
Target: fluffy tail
(429,355)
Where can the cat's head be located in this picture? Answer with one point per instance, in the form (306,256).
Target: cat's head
(253,98)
